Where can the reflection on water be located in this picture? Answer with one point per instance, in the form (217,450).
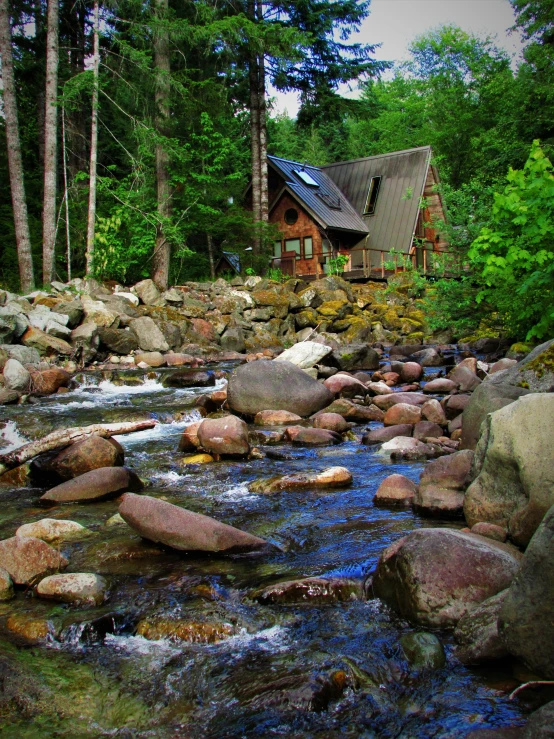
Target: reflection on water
(279,670)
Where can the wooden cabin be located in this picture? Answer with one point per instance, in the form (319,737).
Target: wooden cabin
(363,209)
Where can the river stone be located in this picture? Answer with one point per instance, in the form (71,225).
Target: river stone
(498,533)
(78,588)
(198,459)
(332,477)
(432,411)
(49,381)
(316,437)
(514,463)
(387,401)
(423,650)
(376,388)
(477,633)
(395,490)
(345,386)
(26,559)
(356,356)
(32,630)
(464,378)
(311,590)
(181,529)
(442,485)
(6,585)
(95,485)
(305,354)
(44,343)
(189,440)
(227,436)
(355,412)
(86,455)
(441,386)
(411,372)
(152,359)
(23,354)
(269,385)
(433,577)
(16,377)
(195,632)
(540,724)
(119,340)
(150,338)
(402,444)
(147,292)
(275,418)
(378,436)
(188,378)
(331,422)
(486,399)
(8,397)
(52,530)
(502,364)
(525,622)
(233,340)
(426,429)
(402,413)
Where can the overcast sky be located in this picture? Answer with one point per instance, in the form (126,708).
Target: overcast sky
(395,23)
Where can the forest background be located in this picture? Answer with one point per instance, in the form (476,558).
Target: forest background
(130,129)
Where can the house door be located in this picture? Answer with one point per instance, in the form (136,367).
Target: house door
(288,263)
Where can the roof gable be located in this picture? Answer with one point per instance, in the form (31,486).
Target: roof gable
(319,194)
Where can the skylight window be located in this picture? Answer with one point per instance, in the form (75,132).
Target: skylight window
(305,177)
(330,200)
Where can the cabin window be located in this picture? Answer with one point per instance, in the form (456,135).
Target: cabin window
(372,194)
(277,249)
(308,247)
(291,216)
(306,178)
(293,245)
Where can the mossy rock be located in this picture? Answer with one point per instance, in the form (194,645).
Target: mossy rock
(519,350)
(543,363)
(335,309)
(359,331)
(391,320)
(417,337)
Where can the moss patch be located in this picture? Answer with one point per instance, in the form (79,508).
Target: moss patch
(543,363)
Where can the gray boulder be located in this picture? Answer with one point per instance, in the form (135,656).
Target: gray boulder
(477,633)
(513,468)
(355,356)
(268,385)
(233,340)
(486,399)
(23,354)
(119,340)
(541,723)
(16,376)
(147,292)
(526,622)
(149,336)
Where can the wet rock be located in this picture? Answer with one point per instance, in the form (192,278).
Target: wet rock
(434,577)
(26,559)
(356,356)
(16,377)
(6,585)
(426,429)
(378,388)
(147,292)
(423,651)
(378,436)
(411,372)
(198,459)
(306,693)
(345,385)
(540,724)
(312,590)
(53,530)
(195,632)
(32,630)
(331,422)
(332,477)
(442,485)
(428,357)
(180,529)
(149,336)
(402,445)
(275,418)
(186,378)
(490,530)
(176,359)
(477,633)
(513,467)
(78,588)
(119,340)
(7,397)
(85,341)
(525,622)
(152,359)
(305,354)
(44,343)
(395,490)
(354,411)
(49,381)
(316,437)
(387,401)
(440,386)
(82,456)
(402,413)
(189,440)
(268,385)
(486,399)
(95,485)
(465,379)
(227,436)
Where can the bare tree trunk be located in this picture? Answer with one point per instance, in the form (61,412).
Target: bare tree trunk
(162,251)
(91,221)
(50,144)
(211,255)
(255,136)
(264,198)
(66,198)
(15,164)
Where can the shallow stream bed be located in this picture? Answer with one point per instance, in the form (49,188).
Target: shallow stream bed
(331,670)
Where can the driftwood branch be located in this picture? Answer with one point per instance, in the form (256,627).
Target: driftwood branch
(65,437)
(531,684)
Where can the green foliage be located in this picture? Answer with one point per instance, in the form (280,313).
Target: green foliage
(275,274)
(515,254)
(337,264)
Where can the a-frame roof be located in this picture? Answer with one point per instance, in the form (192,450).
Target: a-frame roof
(403,176)
(319,195)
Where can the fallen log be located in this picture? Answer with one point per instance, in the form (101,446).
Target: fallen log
(65,437)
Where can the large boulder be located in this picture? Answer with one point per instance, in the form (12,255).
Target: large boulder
(402,413)
(442,485)
(355,356)
(486,399)
(27,559)
(49,381)
(16,377)
(44,343)
(180,529)
(434,577)
(80,457)
(227,436)
(535,371)
(540,724)
(477,633)
(147,292)
(306,354)
(513,466)
(269,385)
(150,338)
(94,485)
(119,340)
(526,622)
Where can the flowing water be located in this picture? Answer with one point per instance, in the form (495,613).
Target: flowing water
(331,670)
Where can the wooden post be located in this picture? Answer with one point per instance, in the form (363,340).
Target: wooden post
(424,260)
(383,265)
(395,264)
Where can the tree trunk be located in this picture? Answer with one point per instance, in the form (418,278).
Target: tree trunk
(50,144)
(15,165)
(91,221)
(262,112)
(255,137)
(211,255)
(162,250)
(65,437)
